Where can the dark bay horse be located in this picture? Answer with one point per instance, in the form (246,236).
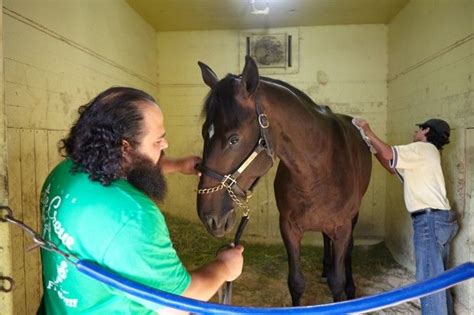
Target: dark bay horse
(323,171)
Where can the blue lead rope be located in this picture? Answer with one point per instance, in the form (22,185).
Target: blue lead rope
(366,304)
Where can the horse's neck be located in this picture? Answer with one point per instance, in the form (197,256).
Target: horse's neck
(295,127)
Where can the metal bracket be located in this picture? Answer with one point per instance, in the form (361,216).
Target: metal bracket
(5,212)
(228,181)
(263,121)
(9,287)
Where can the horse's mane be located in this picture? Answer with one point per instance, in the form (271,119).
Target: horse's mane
(302,95)
(221,109)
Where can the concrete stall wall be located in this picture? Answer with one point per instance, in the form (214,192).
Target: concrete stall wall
(353,60)
(431,69)
(57,56)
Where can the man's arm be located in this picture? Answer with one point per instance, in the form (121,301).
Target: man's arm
(385,163)
(206,280)
(384,151)
(185,165)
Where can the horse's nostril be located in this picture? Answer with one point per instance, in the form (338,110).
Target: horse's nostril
(229,222)
(211,222)
(226,227)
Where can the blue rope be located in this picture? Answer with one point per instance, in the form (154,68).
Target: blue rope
(366,304)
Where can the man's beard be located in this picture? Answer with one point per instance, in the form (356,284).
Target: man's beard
(147,177)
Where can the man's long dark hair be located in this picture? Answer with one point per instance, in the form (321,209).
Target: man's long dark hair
(94,142)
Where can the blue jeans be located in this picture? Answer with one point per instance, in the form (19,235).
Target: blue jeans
(433,232)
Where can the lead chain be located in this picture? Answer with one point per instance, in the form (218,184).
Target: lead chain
(210,190)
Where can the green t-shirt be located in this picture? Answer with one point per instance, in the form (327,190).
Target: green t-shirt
(116,226)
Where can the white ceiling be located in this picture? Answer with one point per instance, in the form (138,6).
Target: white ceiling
(181,15)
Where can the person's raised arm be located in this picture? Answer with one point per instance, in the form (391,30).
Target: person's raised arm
(384,151)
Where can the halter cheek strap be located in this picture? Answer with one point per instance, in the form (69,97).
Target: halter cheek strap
(263,124)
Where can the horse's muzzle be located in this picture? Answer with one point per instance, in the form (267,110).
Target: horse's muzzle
(218,226)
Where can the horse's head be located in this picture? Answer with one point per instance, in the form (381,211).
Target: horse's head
(237,149)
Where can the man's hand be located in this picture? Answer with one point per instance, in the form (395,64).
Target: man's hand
(362,123)
(185,165)
(383,150)
(233,261)
(206,280)
(188,165)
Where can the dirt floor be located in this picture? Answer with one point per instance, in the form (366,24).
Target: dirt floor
(263,281)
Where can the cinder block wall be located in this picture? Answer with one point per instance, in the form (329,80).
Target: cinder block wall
(353,57)
(431,66)
(57,56)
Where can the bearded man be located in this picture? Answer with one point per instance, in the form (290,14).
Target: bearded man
(98,204)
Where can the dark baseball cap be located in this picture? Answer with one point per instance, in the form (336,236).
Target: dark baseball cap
(440,126)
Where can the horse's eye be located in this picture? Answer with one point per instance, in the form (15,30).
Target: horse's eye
(233,140)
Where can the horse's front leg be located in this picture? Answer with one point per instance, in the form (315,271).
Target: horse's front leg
(337,274)
(292,236)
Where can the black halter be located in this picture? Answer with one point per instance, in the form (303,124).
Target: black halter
(229,181)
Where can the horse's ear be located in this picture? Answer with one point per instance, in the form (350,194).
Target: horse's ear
(250,75)
(209,76)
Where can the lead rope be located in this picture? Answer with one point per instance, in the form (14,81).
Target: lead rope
(225,292)
(241,203)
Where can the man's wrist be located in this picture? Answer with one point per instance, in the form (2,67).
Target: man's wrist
(224,269)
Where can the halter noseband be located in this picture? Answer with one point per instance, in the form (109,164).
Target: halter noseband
(229,181)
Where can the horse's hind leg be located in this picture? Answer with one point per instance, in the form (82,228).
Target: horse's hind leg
(292,236)
(350,288)
(327,258)
(337,274)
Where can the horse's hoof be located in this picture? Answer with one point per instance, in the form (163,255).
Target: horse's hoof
(350,296)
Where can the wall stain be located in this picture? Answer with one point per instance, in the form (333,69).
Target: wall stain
(67,100)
